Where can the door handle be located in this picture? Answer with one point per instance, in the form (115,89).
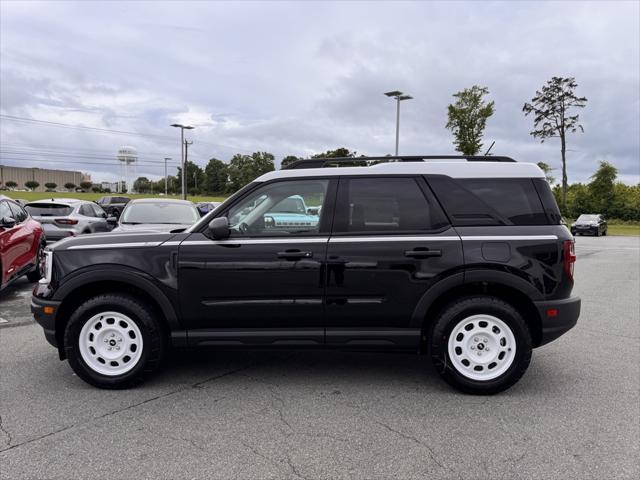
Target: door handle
(293,254)
(422,253)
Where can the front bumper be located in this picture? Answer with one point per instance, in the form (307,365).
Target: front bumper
(46,320)
(558,317)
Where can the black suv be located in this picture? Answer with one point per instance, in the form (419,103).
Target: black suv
(113,205)
(465,258)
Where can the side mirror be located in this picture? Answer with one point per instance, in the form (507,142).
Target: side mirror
(219,228)
(8,222)
(112,220)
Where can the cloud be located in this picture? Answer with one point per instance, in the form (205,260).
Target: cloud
(303,77)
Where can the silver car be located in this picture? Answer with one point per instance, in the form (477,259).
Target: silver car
(156,215)
(68,217)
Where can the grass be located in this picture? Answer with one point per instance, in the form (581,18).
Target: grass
(33,196)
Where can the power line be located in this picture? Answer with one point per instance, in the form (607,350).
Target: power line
(116,132)
(71,155)
(110,164)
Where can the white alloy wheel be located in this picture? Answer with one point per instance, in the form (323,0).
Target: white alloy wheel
(110,343)
(481,347)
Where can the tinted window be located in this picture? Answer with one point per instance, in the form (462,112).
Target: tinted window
(48,210)
(386,205)
(18,213)
(99,212)
(87,211)
(160,213)
(548,201)
(282,208)
(489,201)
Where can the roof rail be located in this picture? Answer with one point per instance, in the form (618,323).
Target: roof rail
(369,161)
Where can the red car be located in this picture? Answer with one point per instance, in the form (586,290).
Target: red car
(22,243)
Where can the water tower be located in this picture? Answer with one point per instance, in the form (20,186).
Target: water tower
(128,158)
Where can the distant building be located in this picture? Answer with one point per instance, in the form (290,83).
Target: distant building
(111,186)
(22,175)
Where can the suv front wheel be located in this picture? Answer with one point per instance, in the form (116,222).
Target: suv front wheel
(114,341)
(481,345)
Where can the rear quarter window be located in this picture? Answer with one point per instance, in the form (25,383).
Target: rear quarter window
(489,201)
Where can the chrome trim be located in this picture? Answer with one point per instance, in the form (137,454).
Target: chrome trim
(256,241)
(114,245)
(422,238)
(510,237)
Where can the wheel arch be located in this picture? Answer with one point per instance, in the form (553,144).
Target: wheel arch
(95,282)
(464,284)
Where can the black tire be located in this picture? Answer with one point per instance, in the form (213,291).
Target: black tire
(457,311)
(36,274)
(153,337)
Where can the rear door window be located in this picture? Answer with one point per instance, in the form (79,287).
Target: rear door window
(386,204)
(48,210)
(489,201)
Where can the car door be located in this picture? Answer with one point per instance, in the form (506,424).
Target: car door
(100,224)
(10,243)
(24,237)
(390,243)
(266,282)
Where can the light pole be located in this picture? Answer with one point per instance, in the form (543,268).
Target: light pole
(166,178)
(184,182)
(399,96)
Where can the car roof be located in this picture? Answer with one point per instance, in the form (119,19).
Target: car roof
(451,168)
(62,201)
(161,200)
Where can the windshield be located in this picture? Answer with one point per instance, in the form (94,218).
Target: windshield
(161,213)
(588,218)
(289,205)
(48,210)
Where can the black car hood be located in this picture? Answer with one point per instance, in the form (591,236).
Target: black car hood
(112,240)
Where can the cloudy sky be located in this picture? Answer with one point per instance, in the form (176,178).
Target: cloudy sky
(302,77)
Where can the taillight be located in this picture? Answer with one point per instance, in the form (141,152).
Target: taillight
(569,257)
(66,221)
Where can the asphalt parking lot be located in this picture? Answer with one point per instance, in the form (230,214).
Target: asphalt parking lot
(338,415)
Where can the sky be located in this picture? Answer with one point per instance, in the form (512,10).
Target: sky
(299,78)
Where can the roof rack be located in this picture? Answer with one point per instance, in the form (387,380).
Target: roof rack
(369,161)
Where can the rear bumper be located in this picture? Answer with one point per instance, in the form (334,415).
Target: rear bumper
(558,317)
(46,320)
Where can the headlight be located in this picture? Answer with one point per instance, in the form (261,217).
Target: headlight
(269,222)
(48,268)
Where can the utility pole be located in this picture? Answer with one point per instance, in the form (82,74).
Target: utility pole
(182,153)
(166,178)
(184,171)
(399,96)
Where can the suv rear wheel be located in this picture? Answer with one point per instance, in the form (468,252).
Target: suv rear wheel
(113,341)
(481,345)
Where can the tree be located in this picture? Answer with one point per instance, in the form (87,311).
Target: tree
(11,184)
(69,185)
(31,184)
(551,108)
(96,189)
(467,119)
(546,168)
(602,186)
(246,168)
(337,153)
(85,185)
(216,175)
(51,185)
(195,176)
(289,159)
(142,185)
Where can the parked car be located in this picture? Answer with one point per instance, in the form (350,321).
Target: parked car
(206,207)
(592,223)
(113,205)
(22,243)
(156,215)
(68,217)
(464,258)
